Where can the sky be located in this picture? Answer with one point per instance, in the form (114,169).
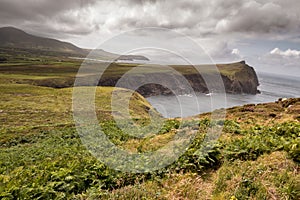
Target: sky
(265,33)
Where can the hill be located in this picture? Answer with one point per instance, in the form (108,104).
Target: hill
(237,78)
(16,38)
(27,53)
(11,37)
(58,72)
(42,156)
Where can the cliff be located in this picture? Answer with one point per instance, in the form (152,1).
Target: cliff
(242,79)
(237,78)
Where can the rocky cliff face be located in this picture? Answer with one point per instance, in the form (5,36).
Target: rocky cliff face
(243,80)
(237,78)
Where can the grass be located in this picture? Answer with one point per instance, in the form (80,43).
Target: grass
(271,176)
(42,156)
(59,71)
(49,162)
(25,109)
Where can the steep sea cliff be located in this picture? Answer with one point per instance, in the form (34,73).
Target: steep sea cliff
(238,78)
(154,80)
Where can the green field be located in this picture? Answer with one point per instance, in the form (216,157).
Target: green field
(42,156)
(59,72)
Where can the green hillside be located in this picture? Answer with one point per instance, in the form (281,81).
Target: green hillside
(42,156)
(15,38)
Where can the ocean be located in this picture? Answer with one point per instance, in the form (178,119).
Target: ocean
(272,88)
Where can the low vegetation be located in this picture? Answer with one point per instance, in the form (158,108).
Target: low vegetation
(42,156)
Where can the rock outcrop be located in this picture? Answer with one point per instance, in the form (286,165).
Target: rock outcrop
(238,78)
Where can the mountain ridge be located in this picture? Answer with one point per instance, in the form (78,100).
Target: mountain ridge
(11,37)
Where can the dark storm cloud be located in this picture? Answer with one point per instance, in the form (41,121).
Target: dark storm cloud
(198,18)
(142,1)
(253,17)
(32,9)
(46,16)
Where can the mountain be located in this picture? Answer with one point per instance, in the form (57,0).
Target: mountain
(16,38)
(11,37)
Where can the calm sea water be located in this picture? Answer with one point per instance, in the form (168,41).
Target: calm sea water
(272,88)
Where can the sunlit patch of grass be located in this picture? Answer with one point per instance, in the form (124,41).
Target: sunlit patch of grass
(266,114)
(23,76)
(272,176)
(173,186)
(25,109)
(154,143)
(147,190)
(188,186)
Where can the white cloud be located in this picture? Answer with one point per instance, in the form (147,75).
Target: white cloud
(285,62)
(287,53)
(235,52)
(220,50)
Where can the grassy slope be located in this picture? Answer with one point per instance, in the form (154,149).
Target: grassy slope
(58,71)
(42,155)
(257,156)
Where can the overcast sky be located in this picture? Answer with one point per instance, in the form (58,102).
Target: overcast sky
(265,33)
